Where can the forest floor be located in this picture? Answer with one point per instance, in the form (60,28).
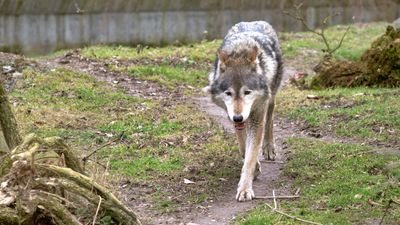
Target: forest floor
(171,155)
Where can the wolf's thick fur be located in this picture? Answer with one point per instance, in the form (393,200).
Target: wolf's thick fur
(245,80)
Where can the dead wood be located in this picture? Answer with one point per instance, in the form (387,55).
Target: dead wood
(8,124)
(43,189)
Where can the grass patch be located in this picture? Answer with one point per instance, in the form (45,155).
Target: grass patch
(338,183)
(67,104)
(368,113)
(204,51)
(170,76)
(146,167)
(163,144)
(357,40)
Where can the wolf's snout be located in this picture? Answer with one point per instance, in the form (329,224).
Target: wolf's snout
(237,118)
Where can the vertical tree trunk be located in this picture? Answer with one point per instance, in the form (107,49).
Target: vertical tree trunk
(3,143)
(8,124)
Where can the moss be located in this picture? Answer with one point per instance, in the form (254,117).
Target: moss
(5,165)
(9,216)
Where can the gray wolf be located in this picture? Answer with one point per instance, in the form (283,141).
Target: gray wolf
(246,77)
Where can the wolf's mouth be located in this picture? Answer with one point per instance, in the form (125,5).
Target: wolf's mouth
(240,126)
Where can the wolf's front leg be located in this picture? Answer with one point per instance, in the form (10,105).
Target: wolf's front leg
(269,144)
(255,135)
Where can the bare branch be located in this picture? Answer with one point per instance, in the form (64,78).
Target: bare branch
(290,216)
(275,203)
(97,211)
(341,40)
(386,211)
(277,197)
(84,159)
(298,16)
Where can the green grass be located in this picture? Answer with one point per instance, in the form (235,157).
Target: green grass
(67,104)
(357,40)
(170,76)
(204,51)
(337,181)
(368,113)
(146,167)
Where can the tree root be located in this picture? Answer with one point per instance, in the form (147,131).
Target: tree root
(37,189)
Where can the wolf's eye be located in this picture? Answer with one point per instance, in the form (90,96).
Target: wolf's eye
(247,92)
(228,93)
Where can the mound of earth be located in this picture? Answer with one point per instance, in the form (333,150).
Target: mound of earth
(378,66)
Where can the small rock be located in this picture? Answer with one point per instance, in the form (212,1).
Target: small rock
(313,97)
(358,196)
(64,61)
(8,69)
(187,181)
(359,94)
(17,75)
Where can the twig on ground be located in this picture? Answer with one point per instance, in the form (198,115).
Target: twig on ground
(85,158)
(106,169)
(275,203)
(361,153)
(297,191)
(277,162)
(100,164)
(277,197)
(386,211)
(97,211)
(290,216)
(62,199)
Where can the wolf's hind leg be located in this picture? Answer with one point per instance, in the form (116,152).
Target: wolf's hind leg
(257,170)
(268,147)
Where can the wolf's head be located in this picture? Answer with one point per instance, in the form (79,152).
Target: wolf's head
(238,84)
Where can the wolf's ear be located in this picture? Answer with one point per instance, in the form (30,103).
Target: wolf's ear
(252,54)
(223,57)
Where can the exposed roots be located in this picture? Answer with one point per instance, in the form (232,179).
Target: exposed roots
(46,182)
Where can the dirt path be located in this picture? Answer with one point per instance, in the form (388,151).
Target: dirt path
(223,208)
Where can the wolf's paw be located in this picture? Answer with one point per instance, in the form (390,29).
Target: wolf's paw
(257,171)
(269,151)
(270,156)
(244,194)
